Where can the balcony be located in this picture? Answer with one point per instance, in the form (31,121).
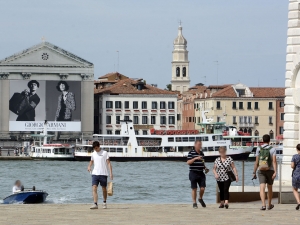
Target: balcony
(247,125)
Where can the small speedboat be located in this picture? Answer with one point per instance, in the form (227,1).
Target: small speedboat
(26,197)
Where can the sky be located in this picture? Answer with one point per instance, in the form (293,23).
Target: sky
(246,38)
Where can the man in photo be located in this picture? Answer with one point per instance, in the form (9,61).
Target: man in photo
(102,164)
(24,104)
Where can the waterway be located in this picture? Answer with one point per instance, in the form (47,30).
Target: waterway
(134,182)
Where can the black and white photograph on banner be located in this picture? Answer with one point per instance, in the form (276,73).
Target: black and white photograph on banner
(63,101)
(27,100)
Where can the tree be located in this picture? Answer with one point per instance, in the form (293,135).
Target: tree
(168,87)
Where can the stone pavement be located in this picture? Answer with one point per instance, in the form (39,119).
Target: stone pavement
(161,214)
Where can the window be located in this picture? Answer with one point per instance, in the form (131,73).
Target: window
(270,105)
(256,105)
(126,104)
(250,119)
(241,92)
(135,105)
(270,120)
(153,119)
(136,133)
(233,105)
(249,105)
(184,72)
(144,120)
(218,105)
(154,105)
(135,120)
(198,119)
(245,119)
(256,133)
(145,132)
(281,104)
(108,119)
(126,118)
(163,120)
(177,72)
(109,131)
(162,105)
(281,116)
(117,132)
(171,119)
(271,134)
(118,118)
(241,105)
(234,119)
(118,104)
(190,119)
(256,120)
(241,119)
(171,105)
(218,119)
(109,104)
(144,105)
(178,116)
(170,139)
(281,130)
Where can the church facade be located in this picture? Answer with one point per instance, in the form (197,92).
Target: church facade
(46,82)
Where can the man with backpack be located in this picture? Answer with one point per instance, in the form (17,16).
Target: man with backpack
(267,166)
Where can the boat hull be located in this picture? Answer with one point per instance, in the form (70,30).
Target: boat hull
(30,197)
(210,158)
(53,158)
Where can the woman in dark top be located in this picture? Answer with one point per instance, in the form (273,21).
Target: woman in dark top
(295,164)
(222,164)
(66,102)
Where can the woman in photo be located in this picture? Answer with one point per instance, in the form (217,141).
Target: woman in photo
(223,164)
(66,102)
(295,164)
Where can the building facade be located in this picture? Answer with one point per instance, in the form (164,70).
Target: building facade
(131,99)
(180,64)
(45,65)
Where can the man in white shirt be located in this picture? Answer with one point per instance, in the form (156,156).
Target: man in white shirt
(17,187)
(102,164)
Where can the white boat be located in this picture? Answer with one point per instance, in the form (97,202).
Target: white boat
(41,149)
(130,147)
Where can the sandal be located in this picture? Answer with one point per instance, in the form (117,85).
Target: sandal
(263,208)
(270,207)
(221,206)
(297,207)
(226,206)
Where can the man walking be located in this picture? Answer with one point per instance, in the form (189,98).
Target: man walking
(267,165)
(101,162)
(196,175)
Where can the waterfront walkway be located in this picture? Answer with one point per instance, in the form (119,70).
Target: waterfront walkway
(131,214)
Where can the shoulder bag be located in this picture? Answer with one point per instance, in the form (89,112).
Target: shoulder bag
(229,172)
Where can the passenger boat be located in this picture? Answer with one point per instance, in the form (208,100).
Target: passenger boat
(42,149)
(130,147)
(26,197)
(277,145)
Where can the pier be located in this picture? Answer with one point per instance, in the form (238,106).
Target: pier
(78,214)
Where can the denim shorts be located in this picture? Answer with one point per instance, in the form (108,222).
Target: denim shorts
(96,179)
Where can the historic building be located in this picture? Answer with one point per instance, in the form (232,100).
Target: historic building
(31,92)
(118,97)
(180,64)
(292,83)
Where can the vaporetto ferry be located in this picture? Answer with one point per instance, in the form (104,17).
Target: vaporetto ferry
(131,147)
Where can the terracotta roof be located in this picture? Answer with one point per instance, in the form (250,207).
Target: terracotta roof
(113,76)
(226,92)
(267,92)
(218,86)
(196,89)
(128,86)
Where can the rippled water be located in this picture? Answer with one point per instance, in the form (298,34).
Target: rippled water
(134,182)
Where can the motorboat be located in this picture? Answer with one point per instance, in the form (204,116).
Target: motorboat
(26,197)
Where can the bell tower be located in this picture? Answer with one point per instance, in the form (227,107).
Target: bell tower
(180,64)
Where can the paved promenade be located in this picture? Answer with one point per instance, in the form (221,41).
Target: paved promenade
(79,214)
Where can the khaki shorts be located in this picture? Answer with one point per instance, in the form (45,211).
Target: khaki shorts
(265,177)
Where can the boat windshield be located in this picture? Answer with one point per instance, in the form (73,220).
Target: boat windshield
(143,141)
(111,140)
(62,151)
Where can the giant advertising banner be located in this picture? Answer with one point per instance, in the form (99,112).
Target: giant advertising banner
(33,101)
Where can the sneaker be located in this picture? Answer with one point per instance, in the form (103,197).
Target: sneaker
(94,206)
(202,203)
(104,205)
(195,206)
